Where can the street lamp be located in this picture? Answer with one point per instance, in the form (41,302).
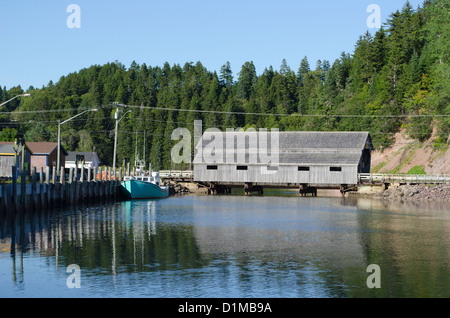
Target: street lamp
(58,160)
(116,117)
(24,95)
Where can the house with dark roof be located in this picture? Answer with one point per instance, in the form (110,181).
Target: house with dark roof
(89,159)
(282,158)
(8,158)
(45,154)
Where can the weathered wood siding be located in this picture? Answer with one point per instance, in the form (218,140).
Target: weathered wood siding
(6,162)
(317,174)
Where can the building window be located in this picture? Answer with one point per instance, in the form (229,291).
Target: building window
(303,168)
(335,168)
(241,167)
(211,167)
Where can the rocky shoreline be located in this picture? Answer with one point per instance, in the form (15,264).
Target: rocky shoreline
(439,192)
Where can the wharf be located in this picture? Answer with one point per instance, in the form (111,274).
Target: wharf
(47,190)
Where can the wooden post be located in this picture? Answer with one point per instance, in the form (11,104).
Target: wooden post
(82,185)
(53,175)
(89,180)
(23,183)
(53,186)
(71,186)
(95,190)
(82,174)
(109,182)
(33,188)
(62,181)
(48,186)
(14,184)
(41,186)
(77,187)
(100,183)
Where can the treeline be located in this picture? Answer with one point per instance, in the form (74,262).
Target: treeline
(398,77)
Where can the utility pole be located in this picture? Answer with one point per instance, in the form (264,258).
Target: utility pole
(116,117)
(58,160)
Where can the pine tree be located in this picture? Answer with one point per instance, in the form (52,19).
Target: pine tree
(246,85)
(303,70)
(226,75)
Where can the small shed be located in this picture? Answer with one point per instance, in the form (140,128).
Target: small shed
(8,158)
(296,158)
(45,154)
(90,159)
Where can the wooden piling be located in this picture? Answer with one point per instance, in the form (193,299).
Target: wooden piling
(41,188)
(23,184)
(14,184)
(34,196)
(70,187)
(62,185)
(89,184)
(47,190)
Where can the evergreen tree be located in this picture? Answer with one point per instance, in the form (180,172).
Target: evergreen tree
(226,75)
(303,70)
(246,85)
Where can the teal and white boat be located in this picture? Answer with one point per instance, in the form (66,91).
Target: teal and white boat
(144,187)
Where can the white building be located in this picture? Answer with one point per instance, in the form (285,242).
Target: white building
(90,160)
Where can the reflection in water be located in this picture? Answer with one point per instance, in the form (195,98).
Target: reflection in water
(229,246)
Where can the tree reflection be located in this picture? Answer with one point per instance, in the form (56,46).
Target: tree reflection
(109,238)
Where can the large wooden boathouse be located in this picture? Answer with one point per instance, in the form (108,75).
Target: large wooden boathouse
(322,159)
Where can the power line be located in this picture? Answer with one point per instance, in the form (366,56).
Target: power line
(280,115)
(225,112)
(44,111)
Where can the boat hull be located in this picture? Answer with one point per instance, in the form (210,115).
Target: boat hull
(135,189)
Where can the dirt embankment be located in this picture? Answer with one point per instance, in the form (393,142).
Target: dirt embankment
(407,153)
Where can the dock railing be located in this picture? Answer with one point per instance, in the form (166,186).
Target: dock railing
(176,174)
(403,178)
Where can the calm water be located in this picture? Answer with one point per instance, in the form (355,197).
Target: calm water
(228,246)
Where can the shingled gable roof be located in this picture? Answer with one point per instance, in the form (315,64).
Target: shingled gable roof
(44,148)
(306,148)
(7,148)
(324,140)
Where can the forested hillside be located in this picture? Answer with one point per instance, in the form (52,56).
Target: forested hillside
(399,77)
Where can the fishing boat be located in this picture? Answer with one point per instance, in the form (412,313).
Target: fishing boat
(144,187)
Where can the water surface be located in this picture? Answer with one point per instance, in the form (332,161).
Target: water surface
(229,246)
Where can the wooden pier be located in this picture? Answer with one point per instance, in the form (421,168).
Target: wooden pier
(42,190)
(363,180)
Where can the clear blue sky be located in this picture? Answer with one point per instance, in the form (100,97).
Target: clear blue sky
(37,46)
